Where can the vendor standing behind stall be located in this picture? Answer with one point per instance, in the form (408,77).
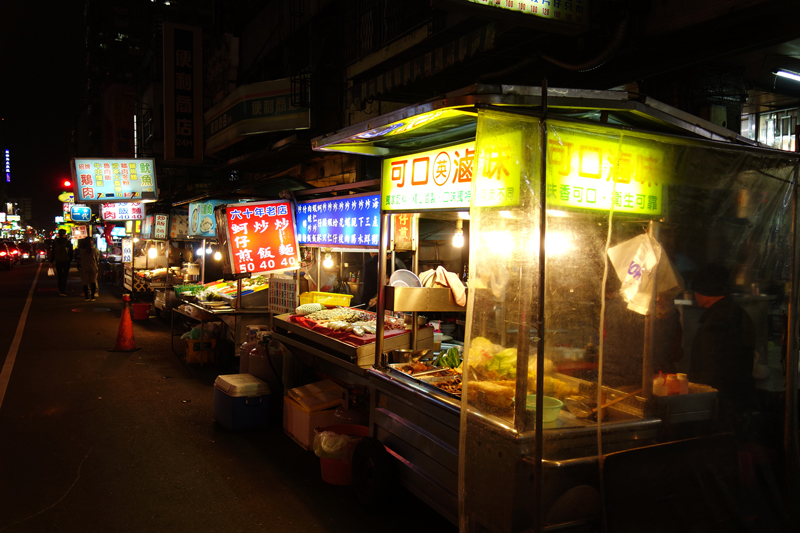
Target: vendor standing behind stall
(724,346)
(369,275)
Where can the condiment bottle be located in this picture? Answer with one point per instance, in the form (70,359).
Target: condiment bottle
(683,383)
(673,387)
(660,385)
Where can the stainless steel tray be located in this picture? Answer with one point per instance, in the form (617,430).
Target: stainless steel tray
(426,382)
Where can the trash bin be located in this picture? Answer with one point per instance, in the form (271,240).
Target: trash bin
(141,311)
(334,446)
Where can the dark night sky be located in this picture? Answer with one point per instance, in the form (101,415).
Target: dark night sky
(41,89)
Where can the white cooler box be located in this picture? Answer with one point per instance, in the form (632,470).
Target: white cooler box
(241,402)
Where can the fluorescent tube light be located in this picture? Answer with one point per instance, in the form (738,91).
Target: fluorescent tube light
(788,74)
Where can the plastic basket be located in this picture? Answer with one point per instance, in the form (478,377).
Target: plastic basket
(179,289)
(325,298)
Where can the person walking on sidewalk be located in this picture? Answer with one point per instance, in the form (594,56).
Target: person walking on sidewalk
(61,259)
(89,258)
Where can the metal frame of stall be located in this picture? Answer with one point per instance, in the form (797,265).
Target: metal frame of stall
(398,404)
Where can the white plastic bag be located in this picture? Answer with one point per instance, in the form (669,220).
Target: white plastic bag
(635,261)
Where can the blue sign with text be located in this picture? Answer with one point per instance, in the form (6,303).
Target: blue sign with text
(80,213)
(350,221)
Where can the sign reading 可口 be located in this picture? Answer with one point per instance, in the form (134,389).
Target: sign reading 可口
(350,221)
(436,179)
(261,237)
(160,225)
(122,211)
(114,180)
(202,222)
(591,172)
(80,213)
(127,250)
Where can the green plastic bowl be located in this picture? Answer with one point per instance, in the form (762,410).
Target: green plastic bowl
(552,407)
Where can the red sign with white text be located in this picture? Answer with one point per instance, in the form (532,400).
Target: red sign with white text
(261,237)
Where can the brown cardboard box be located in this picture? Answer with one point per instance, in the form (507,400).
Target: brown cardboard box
(299,423)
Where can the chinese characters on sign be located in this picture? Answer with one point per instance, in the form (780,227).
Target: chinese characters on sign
(282,298)
(403,231)
(437,179)
(182,93)
(569,11)
(497,181)
(590,172)
(346,221)
(202,222)
(122,211)
(114,180)
(79,232)
(261,237)
(80,213)
(160,224)
(127,250)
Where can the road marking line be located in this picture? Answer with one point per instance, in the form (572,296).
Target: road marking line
(5,374)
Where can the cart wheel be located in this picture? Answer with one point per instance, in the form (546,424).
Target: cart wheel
(373,471)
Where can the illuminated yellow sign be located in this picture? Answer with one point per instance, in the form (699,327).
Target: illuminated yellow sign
(497,181)
(436,179)
(595,172)
(569,11)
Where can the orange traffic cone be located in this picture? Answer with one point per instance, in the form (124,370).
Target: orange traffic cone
(125,342)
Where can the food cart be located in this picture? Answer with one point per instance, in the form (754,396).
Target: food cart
(592,216)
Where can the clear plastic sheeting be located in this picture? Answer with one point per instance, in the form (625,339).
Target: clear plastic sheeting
(702,298)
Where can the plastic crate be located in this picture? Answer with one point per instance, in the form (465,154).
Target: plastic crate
(325,298)
(200,351)
(179,289)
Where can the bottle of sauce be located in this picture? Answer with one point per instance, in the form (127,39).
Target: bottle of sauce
(683,383)
(673,387)
(660,385)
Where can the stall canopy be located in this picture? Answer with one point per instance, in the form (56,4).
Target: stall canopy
(453,118)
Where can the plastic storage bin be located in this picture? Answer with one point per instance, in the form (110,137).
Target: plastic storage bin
(325,298)
(200,351)
(241,402)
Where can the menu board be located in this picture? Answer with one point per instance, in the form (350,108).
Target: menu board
(79,232)
(350,221)
(114,180)
(122,211)
(261,237)
(160,225)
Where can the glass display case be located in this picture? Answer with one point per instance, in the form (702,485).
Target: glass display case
(637,323)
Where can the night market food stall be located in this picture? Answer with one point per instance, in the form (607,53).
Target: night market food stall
(592,388)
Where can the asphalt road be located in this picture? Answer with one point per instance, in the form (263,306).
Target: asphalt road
(99,441)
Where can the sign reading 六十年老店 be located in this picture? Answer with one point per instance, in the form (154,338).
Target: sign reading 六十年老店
(348,221)
(261,237)
(114,180)
(436,179)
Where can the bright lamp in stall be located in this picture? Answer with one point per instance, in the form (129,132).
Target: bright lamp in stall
(208,251)
(794,76)
(217,256)
(152,252)
(458,236)
(135,240)
(327,262)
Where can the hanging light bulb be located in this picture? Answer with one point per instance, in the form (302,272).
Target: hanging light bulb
(135,239)
(152,252)
(458,236)
(217,256)
(209,250)
(199,251)
(327,262)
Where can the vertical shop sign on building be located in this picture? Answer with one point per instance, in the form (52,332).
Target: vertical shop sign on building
(160,225)
(403,232)
(127,250)
(183,93)
(349,221)
(261,237)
